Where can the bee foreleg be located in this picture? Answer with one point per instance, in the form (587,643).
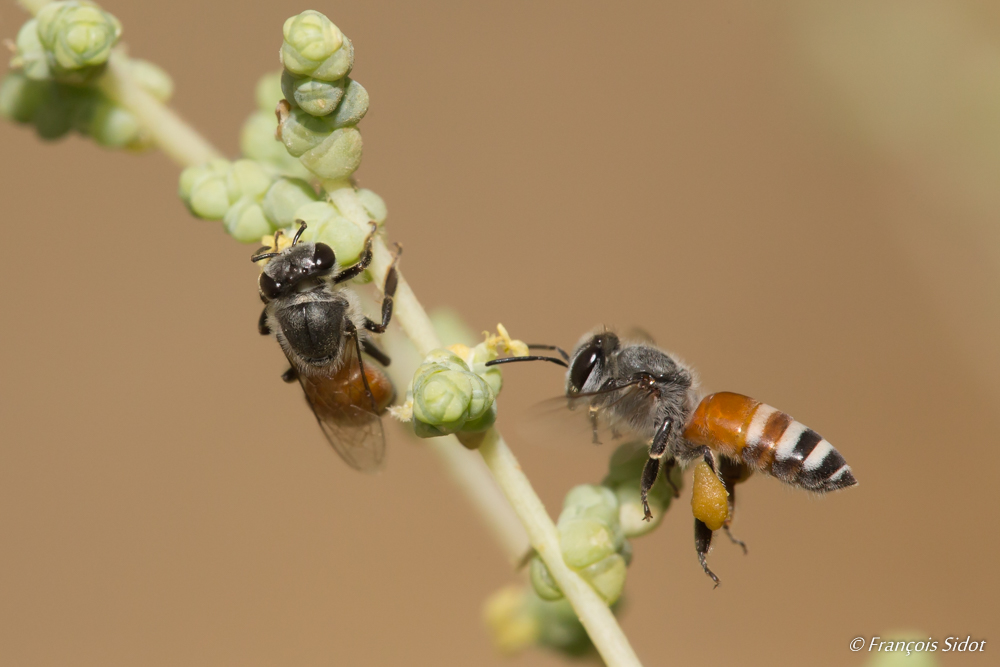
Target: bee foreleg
(652,468)
(356,269)
(702,544)
(262,324)
(388,292)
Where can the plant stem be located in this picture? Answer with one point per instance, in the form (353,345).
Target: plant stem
(168,131)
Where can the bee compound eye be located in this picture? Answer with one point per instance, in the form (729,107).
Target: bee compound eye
(323,256)
(268,287)
(583,364)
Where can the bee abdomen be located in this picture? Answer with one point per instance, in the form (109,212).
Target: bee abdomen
(768,440)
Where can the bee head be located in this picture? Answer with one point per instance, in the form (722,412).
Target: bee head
(589,359)
(293,265)
(289,267)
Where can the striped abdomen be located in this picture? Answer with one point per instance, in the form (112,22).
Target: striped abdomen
(767,440)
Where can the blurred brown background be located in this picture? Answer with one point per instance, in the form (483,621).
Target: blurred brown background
(800,199)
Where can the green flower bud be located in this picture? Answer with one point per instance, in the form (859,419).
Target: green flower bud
(54,118)
(268,92)
(300,131)
(325,224)
(315,97)
(374,205)
(152,78)
(560,629)
(21,97)
(512,619)
(448,397)
(77,35)
(31,56)
(607,577)
(541,580)
(247,178)
(205,191)
(326,152)
(314,46)
(245,221)
(352,108)
(284,198)
(112,126)
(337,157)
(590,501)
(585,541)
(257,142)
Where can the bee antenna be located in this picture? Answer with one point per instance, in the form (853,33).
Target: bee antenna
(562,352)
(266,255)
(302,228)
(509,360)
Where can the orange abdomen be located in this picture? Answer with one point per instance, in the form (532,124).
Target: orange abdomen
(767,440)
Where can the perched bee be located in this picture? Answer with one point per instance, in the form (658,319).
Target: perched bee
(639,389)
(318,321)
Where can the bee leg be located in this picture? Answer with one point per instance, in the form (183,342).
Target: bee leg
(262,324)
(702,544)
(668,469)
(356,269)
(375,353)
(733,472)
(592,414)
(291,375)
(652,468)
(388,292)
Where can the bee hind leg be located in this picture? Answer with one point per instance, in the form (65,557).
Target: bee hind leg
(375,353)
(291,375)
(733,472)
(702,544)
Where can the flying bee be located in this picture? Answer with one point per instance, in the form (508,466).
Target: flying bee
(639,389)
(322,330)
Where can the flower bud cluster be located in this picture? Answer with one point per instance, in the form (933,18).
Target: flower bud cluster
(592,543)
(448,395)
(518,619)
(453,390)
(68,42)
(323,105)
(53,84)
(249,199)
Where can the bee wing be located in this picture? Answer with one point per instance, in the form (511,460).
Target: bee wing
(567,420)
(355,432)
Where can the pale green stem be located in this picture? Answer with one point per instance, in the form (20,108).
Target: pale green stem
(167,130)
(33,6)
(593,612)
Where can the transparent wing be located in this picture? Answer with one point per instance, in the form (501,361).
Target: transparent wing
(570,420)
(343,409)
